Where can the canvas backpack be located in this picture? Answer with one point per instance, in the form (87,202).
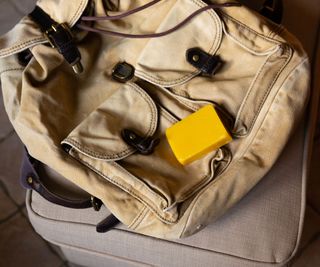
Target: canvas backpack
(146,67)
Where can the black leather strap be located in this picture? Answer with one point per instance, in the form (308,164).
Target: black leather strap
(60,37)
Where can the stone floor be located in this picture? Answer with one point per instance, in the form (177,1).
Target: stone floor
(21,246)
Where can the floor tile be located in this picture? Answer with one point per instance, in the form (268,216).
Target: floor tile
(311,227)
(11,156)
(5,125)
(21,246)
(58,252)
(7,207)
(314,178)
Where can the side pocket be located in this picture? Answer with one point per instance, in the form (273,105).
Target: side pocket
(158,180)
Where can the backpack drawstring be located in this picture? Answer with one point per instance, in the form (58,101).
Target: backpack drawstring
(122,15)
(147,35)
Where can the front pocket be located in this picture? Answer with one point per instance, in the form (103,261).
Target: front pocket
(158,180)
(163,60)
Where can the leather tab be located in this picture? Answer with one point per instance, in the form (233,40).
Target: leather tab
(106,224)
(206,63)
(144,146)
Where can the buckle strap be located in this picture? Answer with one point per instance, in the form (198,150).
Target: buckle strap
(59,36)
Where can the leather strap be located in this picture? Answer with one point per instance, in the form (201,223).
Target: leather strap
(30,179)
(59,36)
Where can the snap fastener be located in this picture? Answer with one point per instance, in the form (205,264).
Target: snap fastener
(30,180)
(123,72)
(195,58)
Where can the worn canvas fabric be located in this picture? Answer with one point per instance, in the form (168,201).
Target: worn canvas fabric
(260,90)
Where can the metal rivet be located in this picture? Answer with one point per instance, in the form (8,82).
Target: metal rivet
(30,180)
(132,136)
(195,58)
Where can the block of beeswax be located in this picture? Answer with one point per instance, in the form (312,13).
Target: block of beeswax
(197,134)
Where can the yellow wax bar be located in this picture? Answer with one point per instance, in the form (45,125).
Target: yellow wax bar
(197,135)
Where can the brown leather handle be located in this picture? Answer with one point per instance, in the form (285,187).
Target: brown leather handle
(30,179)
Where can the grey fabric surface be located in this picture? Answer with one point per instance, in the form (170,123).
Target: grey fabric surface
(263,227)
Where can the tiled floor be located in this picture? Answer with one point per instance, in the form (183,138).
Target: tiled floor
(19,244)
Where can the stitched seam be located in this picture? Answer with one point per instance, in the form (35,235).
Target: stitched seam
(279,91)
(142,215)
(250,90)
(269,88)
(128,190)
(116,165)
(76,14)
(214,45)
(248,28)
(142,218)
(92,153)
(244,105)
(244,46)
(132,225)
(8,70)
(15,48)
(251,122)
(151,129)
(167,115)
(204,181)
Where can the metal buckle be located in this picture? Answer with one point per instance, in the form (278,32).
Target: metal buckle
(55,28)
(63,27)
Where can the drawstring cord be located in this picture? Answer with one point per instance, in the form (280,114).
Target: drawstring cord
(120,16)
(147,35)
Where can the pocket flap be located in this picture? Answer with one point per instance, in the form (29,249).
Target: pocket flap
(99,135)
(163,60)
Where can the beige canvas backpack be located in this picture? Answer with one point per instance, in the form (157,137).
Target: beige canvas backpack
(253,71)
